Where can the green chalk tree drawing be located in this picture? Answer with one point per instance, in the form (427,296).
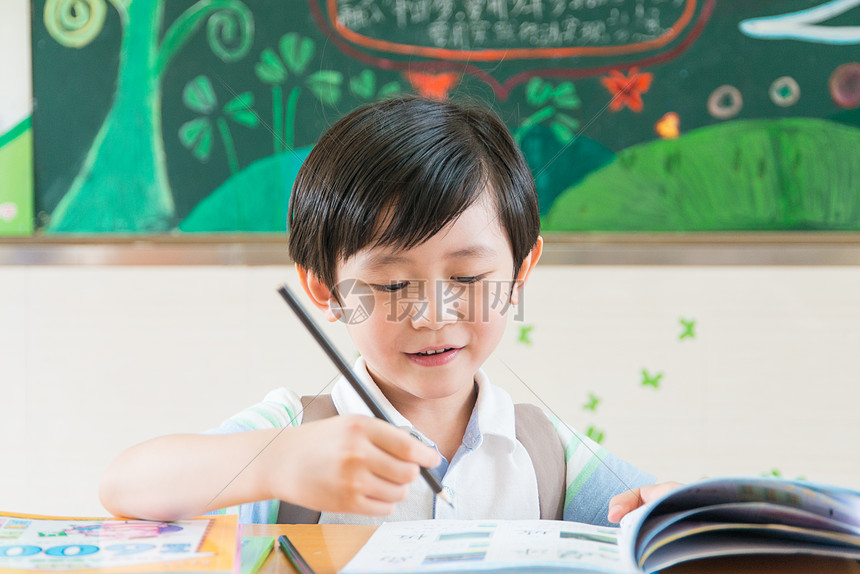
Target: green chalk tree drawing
(284,70)
(197,134)
(123,184)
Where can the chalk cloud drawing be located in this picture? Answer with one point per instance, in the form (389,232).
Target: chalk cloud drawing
(806,25)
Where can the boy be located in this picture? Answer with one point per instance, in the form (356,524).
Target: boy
(416,222)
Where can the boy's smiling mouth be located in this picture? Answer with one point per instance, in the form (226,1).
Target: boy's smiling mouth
(434,351)
(434,356)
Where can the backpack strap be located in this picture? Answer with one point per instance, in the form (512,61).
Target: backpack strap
(313,409)
(540,439)
(534,430)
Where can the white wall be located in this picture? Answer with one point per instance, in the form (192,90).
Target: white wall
(94,359)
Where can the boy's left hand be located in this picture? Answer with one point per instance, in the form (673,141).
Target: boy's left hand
(623,503)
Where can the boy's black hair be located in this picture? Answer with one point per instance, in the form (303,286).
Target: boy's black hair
(396,172)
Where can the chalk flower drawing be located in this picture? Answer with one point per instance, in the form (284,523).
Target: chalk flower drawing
(627,90)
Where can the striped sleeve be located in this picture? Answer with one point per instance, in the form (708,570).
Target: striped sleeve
(594,476)
(280,408)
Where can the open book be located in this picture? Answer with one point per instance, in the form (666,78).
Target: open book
(30,543)
(717,517)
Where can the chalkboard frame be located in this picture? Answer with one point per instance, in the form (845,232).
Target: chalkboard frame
(661,249)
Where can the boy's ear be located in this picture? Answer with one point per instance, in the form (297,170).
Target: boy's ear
(525,270)
(320,295)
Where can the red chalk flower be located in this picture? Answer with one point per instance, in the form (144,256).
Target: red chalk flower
(436,86)
(627,90)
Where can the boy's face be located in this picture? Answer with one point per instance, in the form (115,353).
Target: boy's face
(438,310)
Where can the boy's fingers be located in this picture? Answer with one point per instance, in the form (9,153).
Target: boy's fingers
(621,504)
(371,507)
(371,486)
(401,445)
(655,491)
(373,461)
(393,470)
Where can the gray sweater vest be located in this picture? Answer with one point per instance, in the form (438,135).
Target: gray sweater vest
(534,431)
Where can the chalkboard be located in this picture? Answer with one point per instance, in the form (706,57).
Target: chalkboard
(634,115)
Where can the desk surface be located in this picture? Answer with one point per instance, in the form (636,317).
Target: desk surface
(328,547)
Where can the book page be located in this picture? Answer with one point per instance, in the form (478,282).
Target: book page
(489,545)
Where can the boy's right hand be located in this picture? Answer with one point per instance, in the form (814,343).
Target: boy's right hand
(351,464)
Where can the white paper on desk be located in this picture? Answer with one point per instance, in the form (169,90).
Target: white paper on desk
(489,546)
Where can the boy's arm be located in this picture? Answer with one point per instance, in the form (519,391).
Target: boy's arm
(132,485)
(352,464)
(179,476)
(593,477)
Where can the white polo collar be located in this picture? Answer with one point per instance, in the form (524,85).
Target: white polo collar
(493,414)
(347,400)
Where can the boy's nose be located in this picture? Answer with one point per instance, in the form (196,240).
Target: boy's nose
(436,310)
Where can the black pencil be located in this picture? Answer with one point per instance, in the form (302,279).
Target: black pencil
(293,555)
(353,379)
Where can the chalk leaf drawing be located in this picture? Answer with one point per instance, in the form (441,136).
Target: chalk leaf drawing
(649,380)
(197,134)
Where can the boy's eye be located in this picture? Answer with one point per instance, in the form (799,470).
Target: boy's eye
(469,279)
(390,287)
